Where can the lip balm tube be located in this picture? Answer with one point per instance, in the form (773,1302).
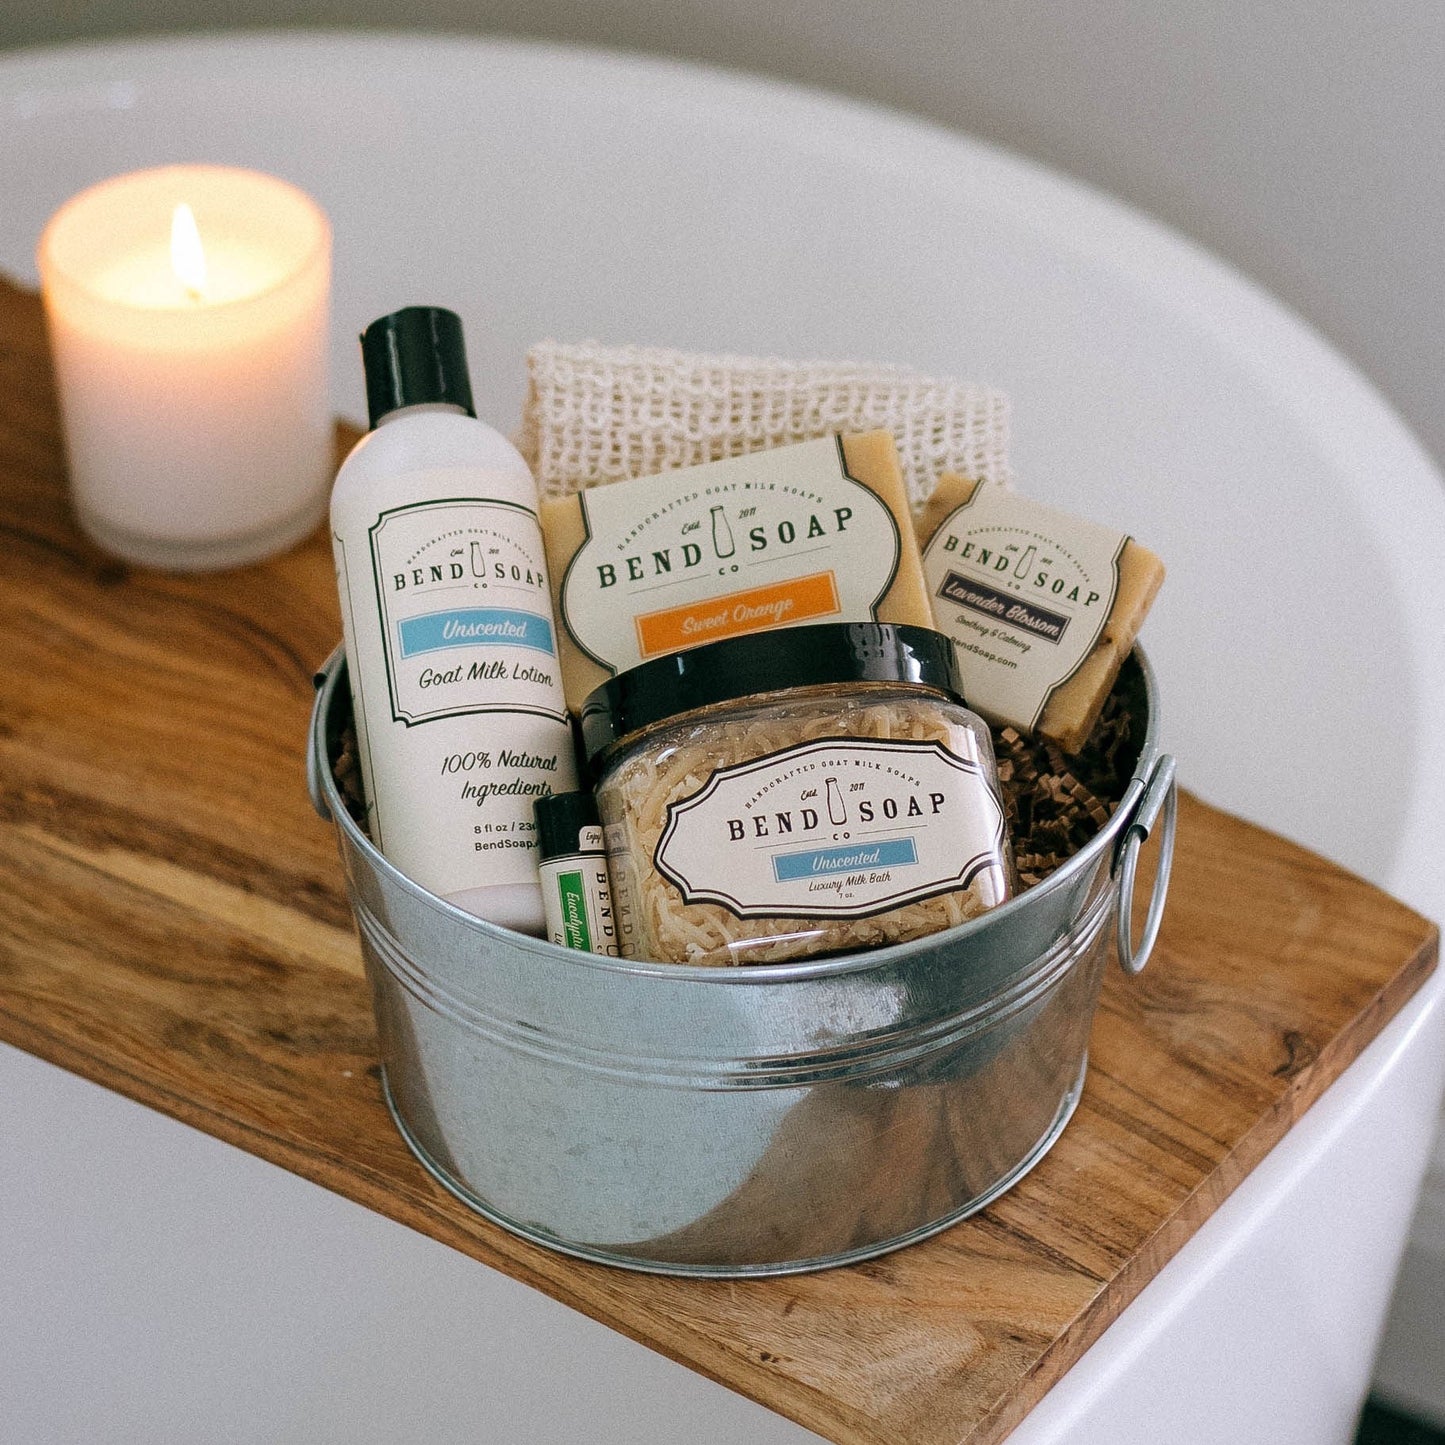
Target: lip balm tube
(576,890)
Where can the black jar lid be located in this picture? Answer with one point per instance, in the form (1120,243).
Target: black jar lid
(738,667)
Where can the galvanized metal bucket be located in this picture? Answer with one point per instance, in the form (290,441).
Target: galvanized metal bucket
(744,1121)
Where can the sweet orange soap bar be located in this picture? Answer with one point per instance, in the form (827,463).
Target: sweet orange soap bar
(813,532)
(1043,607)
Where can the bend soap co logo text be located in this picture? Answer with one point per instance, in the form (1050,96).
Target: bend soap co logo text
(1020,566)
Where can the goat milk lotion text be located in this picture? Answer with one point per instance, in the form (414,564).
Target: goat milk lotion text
(1025,592)
(451,647)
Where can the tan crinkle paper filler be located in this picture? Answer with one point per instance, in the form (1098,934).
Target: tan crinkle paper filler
(598,414)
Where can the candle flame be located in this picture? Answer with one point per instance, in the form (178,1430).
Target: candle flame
(188,256)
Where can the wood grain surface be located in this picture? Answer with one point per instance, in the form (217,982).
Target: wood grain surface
(173,925)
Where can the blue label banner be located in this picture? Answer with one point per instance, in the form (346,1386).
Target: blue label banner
(475,627)
(817,862)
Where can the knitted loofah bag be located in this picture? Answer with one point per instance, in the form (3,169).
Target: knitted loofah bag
(599,414)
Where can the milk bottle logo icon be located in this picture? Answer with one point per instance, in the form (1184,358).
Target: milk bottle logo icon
(837,813)
(722,534)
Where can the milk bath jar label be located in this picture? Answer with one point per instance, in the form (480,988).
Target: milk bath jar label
(764,540)
(450,637)
(1025,592)
(837,828)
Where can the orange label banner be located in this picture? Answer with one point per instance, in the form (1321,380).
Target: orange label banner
(797,600)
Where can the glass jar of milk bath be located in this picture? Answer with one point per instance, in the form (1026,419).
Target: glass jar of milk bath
(795,793)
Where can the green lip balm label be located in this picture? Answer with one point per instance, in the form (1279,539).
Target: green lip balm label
(577,897)
(573,898)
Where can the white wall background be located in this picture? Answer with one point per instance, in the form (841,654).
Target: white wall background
(1300,139)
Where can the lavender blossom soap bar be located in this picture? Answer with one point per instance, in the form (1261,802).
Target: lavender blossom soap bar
(1043,606)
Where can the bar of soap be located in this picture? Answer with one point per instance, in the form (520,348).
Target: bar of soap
(819,531)
(1043,607)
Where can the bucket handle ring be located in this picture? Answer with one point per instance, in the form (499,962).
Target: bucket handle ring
(1161,795)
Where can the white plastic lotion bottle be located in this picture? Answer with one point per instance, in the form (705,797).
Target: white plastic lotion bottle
(450,641)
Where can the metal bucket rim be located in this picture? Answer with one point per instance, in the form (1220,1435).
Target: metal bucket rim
(322,780)
(854,1058)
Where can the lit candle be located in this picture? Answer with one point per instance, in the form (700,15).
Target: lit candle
(187,308)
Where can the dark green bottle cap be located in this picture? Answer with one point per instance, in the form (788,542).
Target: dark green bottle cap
(561,817)
(413,357)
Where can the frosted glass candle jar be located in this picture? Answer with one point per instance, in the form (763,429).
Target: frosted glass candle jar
(193,387)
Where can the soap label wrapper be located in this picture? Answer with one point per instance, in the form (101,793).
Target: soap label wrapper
(1025,592)
(769,539)
(836,828)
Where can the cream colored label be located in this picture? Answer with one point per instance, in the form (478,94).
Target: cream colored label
(767,540)
(1024,591)
(465,610)
(835,828)
(455,679)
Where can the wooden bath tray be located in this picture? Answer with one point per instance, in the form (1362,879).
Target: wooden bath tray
(174,927)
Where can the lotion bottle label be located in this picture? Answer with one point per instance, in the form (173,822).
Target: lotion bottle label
(453,656)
